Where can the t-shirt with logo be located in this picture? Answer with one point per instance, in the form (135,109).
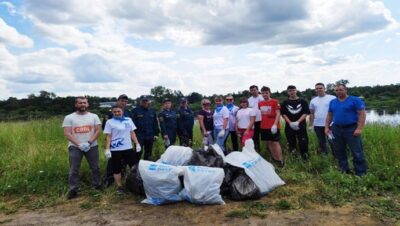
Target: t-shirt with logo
(120,130)
(320,106)
(220,113)
(268,113)
(82,125)
(294,109)
(243,117)
(253,103)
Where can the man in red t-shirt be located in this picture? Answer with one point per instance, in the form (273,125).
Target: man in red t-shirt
(270,116)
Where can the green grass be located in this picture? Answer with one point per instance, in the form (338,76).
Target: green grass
(34,171)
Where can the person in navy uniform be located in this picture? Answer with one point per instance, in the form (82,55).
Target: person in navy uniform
(145,119)
(168,123)
(185,123)
(122,102)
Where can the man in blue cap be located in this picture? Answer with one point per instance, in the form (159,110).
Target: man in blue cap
(185,123)
(168,124)
(145,119)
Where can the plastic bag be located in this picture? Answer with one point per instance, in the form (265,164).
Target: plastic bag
(207,157)
(160,182)
(202,185)
(176,155)
(258,169)
(134,182)
(231,172)
(243,188)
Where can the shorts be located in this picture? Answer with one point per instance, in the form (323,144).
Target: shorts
(117,156)
(268,136)
(245,137)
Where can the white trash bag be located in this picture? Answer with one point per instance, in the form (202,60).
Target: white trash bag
(258,169)
(202,184)
(176,155)
(160,181)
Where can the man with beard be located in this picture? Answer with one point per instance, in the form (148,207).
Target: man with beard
(145,119)
(82,129)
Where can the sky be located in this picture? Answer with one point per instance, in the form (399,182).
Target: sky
(106,48)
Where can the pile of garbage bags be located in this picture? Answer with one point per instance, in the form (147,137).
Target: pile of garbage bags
(203,176)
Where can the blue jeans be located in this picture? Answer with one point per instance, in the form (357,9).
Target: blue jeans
(344,136)
(220,140)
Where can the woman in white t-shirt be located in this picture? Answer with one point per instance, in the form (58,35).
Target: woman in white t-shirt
(245,118)
(221,122)
(120,133)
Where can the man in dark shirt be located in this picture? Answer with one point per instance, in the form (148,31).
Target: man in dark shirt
(185,123)
(294,112)
(145,119)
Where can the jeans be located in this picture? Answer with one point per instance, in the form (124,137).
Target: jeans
(320,132)
(220,140)
(75,159)
(344,136)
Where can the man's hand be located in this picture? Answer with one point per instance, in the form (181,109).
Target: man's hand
(155,138)
(274,129)
(357,132)
(294,125)
(221,133)
(311,129)
(84,146)
(138,148)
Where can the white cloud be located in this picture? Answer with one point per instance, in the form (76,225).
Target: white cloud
(10,36)
(10,7)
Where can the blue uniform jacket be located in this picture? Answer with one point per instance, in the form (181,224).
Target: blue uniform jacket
(168,122)
(145,120)
(185,121)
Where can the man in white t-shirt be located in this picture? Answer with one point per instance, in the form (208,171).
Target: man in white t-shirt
(82,129)
(253,103)
(319,106)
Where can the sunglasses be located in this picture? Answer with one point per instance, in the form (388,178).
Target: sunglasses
(207,104)
(229,99)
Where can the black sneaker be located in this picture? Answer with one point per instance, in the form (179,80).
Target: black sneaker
(280,164)
(120,190)
(72,195)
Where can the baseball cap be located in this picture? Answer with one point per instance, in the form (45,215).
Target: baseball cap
(144,98)
(123,96)
(182,99)
(166,100)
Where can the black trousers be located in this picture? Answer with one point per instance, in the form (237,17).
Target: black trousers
(234,140)
(256,135)
(147,148)
(297,136)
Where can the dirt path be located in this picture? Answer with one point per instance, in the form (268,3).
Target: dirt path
(134,213)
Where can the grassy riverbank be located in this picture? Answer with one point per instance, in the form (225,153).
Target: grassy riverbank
(34,171)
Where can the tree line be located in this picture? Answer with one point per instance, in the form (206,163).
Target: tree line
(48,104)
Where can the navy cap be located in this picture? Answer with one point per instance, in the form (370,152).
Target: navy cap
(123,96)
(166,100)
(144,98)
(183,99)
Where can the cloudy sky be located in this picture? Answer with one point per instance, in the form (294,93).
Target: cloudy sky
(109,47)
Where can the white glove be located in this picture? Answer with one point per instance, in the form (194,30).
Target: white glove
(107,153)
(221,133)
(84,146)
(138,148)
(274,129)
(294,125)
(311,129)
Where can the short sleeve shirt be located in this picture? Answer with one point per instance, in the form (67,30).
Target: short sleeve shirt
(268,113)
(320,105)
(120,131)
(294,109)
(219,117)
(207,119)
(253,103)
(83,126)
(345,112)
(243,117)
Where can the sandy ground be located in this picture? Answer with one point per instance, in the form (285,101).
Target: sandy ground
(131,212)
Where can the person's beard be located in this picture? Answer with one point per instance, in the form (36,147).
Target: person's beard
(82,109)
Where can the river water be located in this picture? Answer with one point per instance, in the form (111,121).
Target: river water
(384,117)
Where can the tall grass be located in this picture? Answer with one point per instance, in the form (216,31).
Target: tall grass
(34,162)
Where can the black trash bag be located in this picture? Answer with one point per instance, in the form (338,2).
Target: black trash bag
(243,188)
(208,158)
(231,172)
(134,182)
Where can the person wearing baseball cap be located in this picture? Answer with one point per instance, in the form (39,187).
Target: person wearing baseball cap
(185,123)
(168,123)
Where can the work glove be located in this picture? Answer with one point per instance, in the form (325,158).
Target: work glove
(155,138)
(138,148)
(167,142)
(221,133)
(107,153)
(84,146)
(274,129)
(311,129)
(294,125)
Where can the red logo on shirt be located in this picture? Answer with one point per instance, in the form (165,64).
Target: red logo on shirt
(83,129)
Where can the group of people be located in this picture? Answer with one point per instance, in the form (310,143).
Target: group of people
(131,132)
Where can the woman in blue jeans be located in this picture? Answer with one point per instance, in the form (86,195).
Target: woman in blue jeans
(221,122)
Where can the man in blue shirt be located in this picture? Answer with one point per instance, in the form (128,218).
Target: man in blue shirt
(145,119)
(185,123)
(347,113)
(168,124)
